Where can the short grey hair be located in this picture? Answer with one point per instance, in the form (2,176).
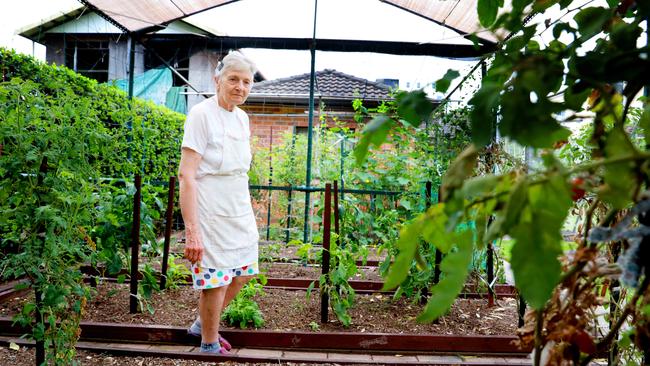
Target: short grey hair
(235,61)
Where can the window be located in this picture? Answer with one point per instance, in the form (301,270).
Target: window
(88,58)
(178,58)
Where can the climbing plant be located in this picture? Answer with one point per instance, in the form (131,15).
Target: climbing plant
(595,60)
(61,135)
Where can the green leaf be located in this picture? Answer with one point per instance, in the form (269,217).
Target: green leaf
(541,129)
(517,201)
(443,84)
(538,240)
(435,231)
(644,122)
(478,186)
(591,21)
(483,115)
(375,133)
(624,35)
(487,11)
(519,5)
(414,107)
(620,179)
(574,100)
(54,296)
(455,266)
(458,171)
(407,245)
(21,286)
(535,264)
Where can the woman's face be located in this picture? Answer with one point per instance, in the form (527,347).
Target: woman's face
(233,88)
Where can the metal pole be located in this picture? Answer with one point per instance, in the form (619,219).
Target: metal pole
(135,245)
(646,89)
(325,267)
(290,200)
(342,163)
(168,230)
(312,77)
(129,123)
(268,206)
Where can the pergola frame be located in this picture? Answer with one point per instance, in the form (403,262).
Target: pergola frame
(139,18)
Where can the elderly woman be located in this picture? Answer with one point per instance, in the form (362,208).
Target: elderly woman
(221,238)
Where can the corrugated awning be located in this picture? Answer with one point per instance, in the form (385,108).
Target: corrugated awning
(459,15)
(150,15)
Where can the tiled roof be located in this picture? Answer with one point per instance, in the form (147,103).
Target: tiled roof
(329,84)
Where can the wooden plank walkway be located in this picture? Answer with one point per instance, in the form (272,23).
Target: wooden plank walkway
(257,355)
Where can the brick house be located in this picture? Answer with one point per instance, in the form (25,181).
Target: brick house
(282,105)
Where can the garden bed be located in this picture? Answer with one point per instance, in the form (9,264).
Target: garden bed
(292,311)
(313,272)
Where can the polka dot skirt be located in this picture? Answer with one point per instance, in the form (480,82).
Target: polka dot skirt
(207,278)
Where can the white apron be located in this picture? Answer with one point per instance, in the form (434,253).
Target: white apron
(228,226)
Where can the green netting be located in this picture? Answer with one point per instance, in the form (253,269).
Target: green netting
(156,85)
(175,100)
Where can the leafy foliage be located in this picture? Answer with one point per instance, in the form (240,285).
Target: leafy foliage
(156,131)
(521,98)
(243,311)
(52,151)
(61,134)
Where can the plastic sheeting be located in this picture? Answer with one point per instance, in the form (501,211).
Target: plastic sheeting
(175,100)
(156,85)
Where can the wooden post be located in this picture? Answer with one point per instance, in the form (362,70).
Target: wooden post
(337,218)
(135,245)
(327,216)
(427,203)
(38,294)
(169,214)
(522,310)
(438,259)
(490,273)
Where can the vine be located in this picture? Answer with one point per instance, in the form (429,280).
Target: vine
(527,90)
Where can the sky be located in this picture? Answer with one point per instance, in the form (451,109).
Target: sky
(336,19)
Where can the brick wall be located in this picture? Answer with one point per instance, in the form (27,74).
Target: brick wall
(281,118)
(278,119)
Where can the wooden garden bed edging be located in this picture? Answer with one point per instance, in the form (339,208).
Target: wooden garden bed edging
(162,334)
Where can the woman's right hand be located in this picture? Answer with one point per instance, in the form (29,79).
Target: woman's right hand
(193,246)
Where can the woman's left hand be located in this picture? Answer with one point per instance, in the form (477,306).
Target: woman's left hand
(193,245)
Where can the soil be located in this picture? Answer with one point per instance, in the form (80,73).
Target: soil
(283,310)
(286,310)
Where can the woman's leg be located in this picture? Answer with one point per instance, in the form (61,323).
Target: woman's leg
(211,303)
(234,288)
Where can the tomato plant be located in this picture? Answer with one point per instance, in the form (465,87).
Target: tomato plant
(61,134)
